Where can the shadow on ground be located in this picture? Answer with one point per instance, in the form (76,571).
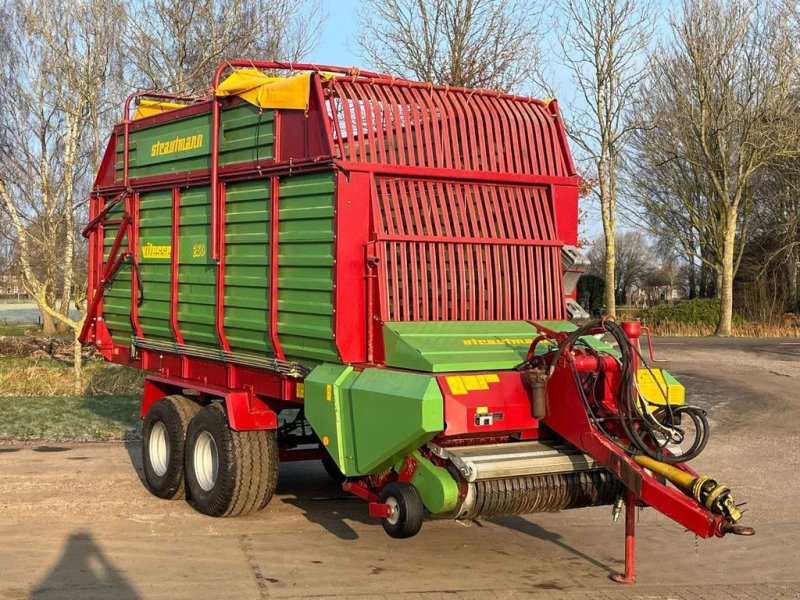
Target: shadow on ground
(83,571)
(308,487)
(527,527)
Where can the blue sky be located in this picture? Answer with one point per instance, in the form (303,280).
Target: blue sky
(337,43)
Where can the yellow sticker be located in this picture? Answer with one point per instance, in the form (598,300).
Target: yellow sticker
(456,385)
(474,382)
(492,378)
(482,410)
(301,390)
(328,392)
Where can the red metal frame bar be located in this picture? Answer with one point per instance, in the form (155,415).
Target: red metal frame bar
(219,308)
(629,575)
(274,257)
(111,267)
(175,265)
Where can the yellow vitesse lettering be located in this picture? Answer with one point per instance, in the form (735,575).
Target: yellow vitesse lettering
(153,251)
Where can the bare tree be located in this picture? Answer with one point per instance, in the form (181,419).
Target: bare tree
(54,95)
(635,261)
(603,44)
(464,43)
(722,106)
(177,44)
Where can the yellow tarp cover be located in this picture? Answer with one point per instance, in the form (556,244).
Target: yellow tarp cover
(268,92)
(148,108)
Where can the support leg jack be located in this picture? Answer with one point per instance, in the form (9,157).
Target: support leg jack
(629,576)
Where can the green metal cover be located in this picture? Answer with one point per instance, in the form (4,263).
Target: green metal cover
(373,418)
(444,346)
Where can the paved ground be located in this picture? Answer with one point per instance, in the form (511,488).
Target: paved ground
(75,521)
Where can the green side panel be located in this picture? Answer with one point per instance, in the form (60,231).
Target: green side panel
(392,414)
(196,270)
(305,267)
(247,134)
(117,294)
(436,486)
(174,146)
(184,144)
(327,408)
(155,244)
(374,418)
(247,215)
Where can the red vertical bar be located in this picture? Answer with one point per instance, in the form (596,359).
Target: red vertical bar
(274,255)
(494,139)
(476,140)
(334,104)
(93,201)
(174,266)
(520,137)
(219,308)
(384,301)
(215,212)
(422,128)
(562,137)
(539,275)
(348,123)
(368,104)
(629,576)
(132,203)
(392,102)
(446,122)
(326,120)
(405,111)
(361,135)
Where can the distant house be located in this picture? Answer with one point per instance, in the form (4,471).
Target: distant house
(648,296)
(11,287)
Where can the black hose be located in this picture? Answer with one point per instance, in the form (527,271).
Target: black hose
(642,434)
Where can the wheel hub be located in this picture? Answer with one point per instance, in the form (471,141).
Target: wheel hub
(206,461)
(394,511)
(159,448)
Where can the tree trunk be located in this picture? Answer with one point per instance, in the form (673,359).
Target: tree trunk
(794,306)
(77,365)
(610,267)
(725,280)
(48,325)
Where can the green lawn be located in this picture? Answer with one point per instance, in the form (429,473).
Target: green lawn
(18,329)
(66,419)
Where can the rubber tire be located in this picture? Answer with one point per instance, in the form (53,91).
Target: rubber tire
(410,507)
(332,469)
(247,466)
(174,412)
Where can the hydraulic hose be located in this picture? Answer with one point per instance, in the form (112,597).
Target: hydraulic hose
(641,429)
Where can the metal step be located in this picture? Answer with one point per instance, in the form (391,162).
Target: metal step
(515,459)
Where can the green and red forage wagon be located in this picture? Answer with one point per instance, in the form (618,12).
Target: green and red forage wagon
(316,263)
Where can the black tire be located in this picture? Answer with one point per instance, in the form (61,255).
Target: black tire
(246,466)
(409,511)
(332,469)
(163,435)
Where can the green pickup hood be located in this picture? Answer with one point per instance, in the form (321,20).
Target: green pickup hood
(442,346)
